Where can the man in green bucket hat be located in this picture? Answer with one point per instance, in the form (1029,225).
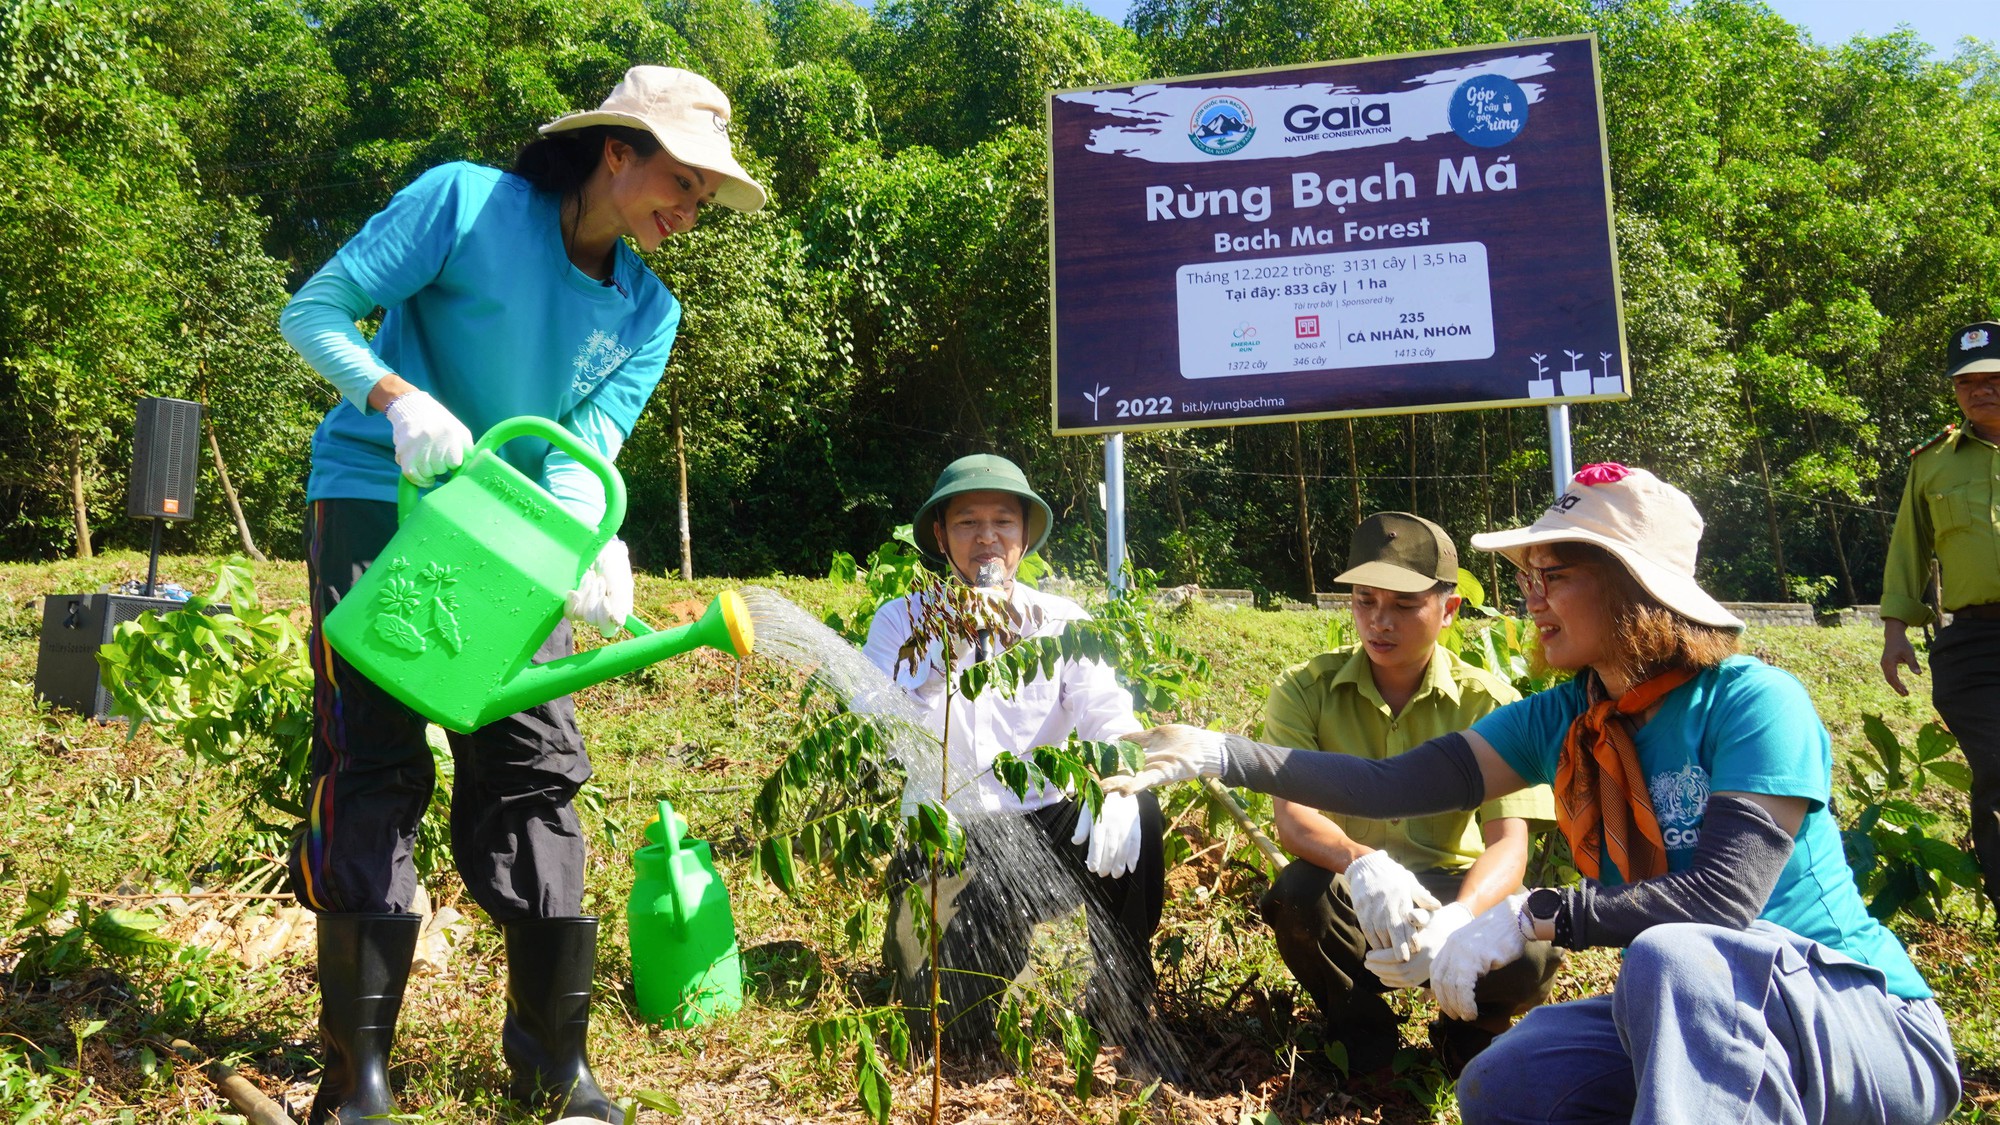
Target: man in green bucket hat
(981,520)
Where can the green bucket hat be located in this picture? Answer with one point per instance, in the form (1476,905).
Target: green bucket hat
(981,472)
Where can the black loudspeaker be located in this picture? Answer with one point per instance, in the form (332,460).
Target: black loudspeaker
(165,445)
(74,627)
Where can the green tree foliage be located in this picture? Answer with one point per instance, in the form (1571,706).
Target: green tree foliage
(732,38)
(809,111)
(816,31)
(951,73)
(121,277)
(1799,227)
(1197,36)
(470,79)
(740,381)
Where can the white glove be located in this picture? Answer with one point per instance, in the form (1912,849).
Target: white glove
(1408,965)
(1487,942)
(603,598)
(1388,900)
(429,439)
(1174,752)
(1114,836)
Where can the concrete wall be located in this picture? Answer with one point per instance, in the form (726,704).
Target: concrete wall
(1752,613)
(1773,613)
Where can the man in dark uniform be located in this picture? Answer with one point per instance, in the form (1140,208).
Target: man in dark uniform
(1951,512)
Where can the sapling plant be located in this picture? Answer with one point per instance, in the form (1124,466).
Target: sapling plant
(45,947)
(1898,865)
(831,802)
(233,687)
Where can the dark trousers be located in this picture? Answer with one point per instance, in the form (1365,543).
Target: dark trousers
(514,836)
(1311,914)
(990,908)
(1965,687)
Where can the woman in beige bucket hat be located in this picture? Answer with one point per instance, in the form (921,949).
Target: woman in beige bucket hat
(506,293)
(1693,785)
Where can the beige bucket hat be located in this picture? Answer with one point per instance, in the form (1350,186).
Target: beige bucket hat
(1646,523)
(690,117)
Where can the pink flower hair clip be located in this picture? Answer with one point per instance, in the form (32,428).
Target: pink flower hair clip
(1604,472)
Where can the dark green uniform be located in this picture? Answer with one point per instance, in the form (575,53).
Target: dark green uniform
(1951,512)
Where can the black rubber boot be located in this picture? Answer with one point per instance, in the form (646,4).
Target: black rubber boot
(364,962)
(550,962)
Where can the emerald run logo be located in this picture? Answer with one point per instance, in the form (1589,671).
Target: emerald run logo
(1221,125)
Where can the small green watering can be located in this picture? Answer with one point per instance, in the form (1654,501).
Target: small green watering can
(450,615)
(685,965)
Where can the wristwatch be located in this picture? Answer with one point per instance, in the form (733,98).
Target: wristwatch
(1545,904)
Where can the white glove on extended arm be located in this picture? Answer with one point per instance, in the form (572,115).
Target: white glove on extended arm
(1487,942)
(1409,964)
(1114,836)
(1388,899)
(1174,752)
(429,439)
(603,598)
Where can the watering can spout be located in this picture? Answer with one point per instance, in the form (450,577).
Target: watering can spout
(724,626)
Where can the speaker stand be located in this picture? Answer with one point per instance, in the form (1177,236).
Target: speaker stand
(153,562)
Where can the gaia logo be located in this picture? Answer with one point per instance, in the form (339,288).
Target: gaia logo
(1679,801)
(1221,125)
(1349,118)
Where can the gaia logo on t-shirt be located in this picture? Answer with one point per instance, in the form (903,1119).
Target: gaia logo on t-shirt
(599,356)
(1679,799)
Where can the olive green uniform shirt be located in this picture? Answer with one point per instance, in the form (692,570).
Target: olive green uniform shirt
(1330,703)
(1950,510)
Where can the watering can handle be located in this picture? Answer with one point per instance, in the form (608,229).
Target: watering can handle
(529,425)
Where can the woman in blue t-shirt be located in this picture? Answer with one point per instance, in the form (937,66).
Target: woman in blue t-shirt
(505,293)
(1693,785)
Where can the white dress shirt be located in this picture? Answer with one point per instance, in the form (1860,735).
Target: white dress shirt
(1083,696)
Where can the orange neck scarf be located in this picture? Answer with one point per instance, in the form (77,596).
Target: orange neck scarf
(1602,803)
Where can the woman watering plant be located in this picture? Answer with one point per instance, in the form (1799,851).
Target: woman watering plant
(506,293)
(1692,784)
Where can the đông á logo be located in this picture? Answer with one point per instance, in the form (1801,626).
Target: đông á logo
(1221,125)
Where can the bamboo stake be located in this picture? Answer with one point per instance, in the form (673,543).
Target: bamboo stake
(229,494)
(680,459)
(237,1089)
(1305,511)
(157,896)
(1221,796)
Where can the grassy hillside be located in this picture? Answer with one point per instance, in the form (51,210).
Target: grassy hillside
(131,815)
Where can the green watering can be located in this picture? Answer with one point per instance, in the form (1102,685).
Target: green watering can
(685,966)
(450,615)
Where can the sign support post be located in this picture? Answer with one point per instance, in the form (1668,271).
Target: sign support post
(1114,511)
(1559,455)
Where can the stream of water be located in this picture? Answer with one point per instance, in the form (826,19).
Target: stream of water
(1010,854)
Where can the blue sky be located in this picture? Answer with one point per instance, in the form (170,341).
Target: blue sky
(1941,23)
